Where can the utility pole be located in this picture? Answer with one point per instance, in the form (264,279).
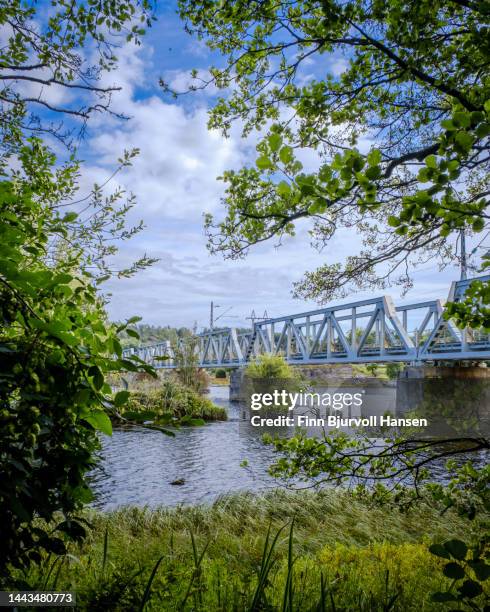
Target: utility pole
(464,268)
(211,315)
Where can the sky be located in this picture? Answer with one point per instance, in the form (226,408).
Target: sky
(175,181)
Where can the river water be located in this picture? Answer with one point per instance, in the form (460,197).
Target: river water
(138,465)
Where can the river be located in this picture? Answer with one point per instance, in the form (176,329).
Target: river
(138,465)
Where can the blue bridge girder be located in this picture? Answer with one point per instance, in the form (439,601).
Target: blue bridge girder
(366,331)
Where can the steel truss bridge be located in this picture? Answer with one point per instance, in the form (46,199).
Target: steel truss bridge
(367,331)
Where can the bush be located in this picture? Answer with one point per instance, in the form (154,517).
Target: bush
(55,349)
(393,369)
(270,366)
(220,373)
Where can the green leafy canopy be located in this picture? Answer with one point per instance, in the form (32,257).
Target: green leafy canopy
(393,98)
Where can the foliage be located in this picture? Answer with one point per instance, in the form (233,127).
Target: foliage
(269,366)
(472,311)
(171,403)
(152,334)
(391,96)
(188,372)
(55,349)
(56,345)
(393,369)
(220,373)
(213,555)
(468,575)
(49,89)
(49,55)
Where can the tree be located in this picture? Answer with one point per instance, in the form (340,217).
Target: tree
(186,360)
(56,347)
(393,98)
(56,344)
(48,58)
(397,113)
(46,71)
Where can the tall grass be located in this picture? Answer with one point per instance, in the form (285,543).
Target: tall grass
(281,552)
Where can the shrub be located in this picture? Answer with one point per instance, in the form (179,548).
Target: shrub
(220,373)
(393,369)
(188,371)
(270,366)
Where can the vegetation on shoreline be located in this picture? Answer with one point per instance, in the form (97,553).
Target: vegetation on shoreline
(212,557)
(168,402)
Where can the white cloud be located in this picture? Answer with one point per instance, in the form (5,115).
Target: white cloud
(174,179)
(175,173)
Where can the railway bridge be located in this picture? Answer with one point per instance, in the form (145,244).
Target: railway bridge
(367,331)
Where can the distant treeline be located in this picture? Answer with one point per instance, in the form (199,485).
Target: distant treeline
(152,334)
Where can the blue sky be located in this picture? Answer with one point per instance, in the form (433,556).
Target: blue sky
(174,179)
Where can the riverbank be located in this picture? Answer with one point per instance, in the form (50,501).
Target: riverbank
(210,557)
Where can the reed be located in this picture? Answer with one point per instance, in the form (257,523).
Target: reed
(284,552)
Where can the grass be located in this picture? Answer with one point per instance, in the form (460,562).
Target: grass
(282,551)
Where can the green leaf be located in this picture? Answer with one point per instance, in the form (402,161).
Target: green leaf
(139,416)
(100,421)
(286,155)
(70,216)
(374,157)
(462,118)
(275,142)
(439,551)
(263,162)
(481,569)
(431,161)
(441,597)
(465,140)
(166,432)
(447,124)
(478,225)
(456,548)
(453,570)
(283,189)
(373,173)
(133,320)
(470,589)
(97,376)
(121,398)
(423,175)
(195,422)
(318,207)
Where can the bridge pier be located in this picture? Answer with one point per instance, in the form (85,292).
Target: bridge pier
(237,391)
(444,384)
